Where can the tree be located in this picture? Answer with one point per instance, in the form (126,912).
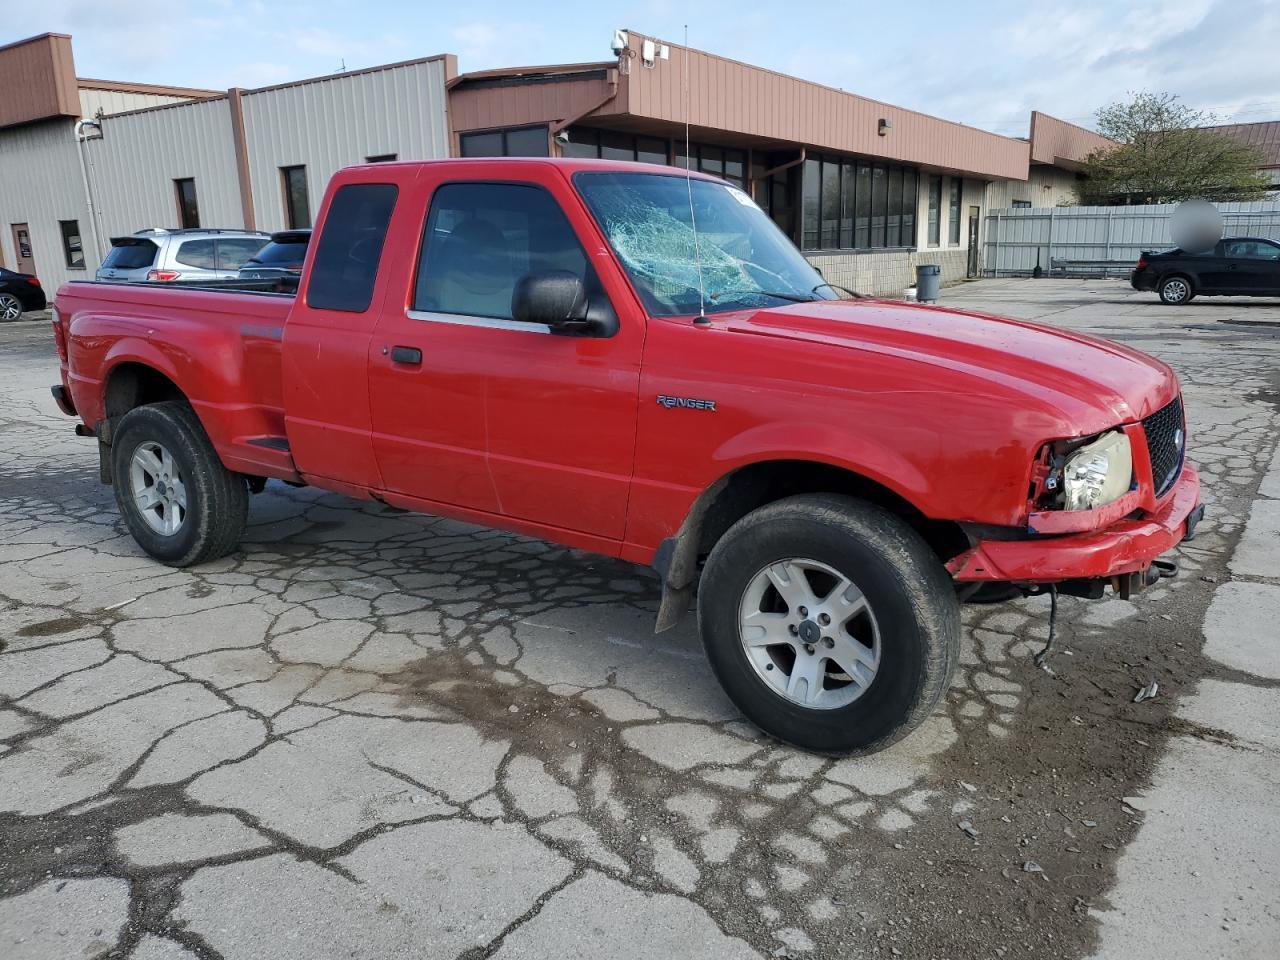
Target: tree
(1163,154)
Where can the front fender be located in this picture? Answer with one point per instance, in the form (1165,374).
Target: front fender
(830,445)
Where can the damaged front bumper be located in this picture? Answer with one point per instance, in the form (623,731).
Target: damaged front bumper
(1115,553)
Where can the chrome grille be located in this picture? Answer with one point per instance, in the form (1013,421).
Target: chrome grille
(1166,433)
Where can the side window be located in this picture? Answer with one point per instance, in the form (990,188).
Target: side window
(197,253)
(480,239)
(350,247)
(233,252)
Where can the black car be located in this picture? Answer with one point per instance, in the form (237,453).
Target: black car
(1234,267)
(281,258)
(19,292)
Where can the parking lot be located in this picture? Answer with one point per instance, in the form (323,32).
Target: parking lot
(374,734)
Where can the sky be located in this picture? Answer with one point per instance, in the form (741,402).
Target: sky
(986,64)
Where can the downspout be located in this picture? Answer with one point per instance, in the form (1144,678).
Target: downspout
(84,181)
(611,80)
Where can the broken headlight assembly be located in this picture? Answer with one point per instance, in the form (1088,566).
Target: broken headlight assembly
(1084,474)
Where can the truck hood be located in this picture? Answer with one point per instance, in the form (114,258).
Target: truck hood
(1088,379)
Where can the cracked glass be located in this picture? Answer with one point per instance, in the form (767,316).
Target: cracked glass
(744,259)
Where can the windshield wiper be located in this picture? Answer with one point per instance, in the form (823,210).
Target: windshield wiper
(793,297)
(835,286)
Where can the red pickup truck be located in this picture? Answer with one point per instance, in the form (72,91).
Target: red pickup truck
(631,361)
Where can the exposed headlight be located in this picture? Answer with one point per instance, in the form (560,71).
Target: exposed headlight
(1098,473)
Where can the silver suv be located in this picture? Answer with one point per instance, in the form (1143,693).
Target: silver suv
(180,255)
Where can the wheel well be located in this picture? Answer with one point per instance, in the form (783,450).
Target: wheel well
(134,385)
(753,486)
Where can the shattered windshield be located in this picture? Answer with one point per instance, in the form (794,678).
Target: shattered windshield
(746,261)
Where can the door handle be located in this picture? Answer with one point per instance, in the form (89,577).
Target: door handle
(408,355)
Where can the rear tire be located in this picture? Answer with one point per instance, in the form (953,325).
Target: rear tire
(180,503)
(902,640)
(1176,290)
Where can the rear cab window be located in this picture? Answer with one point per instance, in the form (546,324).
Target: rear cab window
(349,249)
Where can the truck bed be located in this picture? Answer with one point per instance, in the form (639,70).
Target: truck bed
(220,340)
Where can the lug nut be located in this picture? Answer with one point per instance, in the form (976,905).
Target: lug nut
(804,611)
(828,642)
(793,628)
(824,619)
(808,649)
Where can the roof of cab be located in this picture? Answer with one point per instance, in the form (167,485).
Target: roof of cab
(568,165)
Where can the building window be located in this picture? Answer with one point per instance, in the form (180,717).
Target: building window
(71,246)
(188,211)
(910,200)
(848,204)
(953,213)
(297,204)
(811,204)
(591,144)
(1022,204)
(380,158)
(935,211)
(513,142)
(724,162)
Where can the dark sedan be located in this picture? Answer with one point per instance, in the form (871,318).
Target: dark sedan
(19,292)
(281,258)
(1234,267)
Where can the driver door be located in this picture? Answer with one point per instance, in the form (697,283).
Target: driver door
(497,415)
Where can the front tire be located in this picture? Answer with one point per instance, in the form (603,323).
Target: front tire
(829,622)
(1176,291)
(180,503)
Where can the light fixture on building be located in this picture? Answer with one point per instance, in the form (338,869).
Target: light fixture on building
(885,127)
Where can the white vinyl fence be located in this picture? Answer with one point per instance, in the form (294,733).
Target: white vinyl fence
(1099,241)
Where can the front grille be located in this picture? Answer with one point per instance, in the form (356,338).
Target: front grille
(1166,444)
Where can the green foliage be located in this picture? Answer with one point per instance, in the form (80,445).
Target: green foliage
(1163,155)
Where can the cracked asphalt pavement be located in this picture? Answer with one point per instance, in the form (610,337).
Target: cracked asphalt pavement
(375,734)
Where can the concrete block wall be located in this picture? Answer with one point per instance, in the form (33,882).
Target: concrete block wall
(888,273)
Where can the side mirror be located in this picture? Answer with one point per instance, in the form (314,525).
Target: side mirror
(556,298)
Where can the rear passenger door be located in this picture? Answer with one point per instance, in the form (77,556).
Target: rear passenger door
(325,354)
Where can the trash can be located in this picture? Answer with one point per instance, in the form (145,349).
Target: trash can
(928,280)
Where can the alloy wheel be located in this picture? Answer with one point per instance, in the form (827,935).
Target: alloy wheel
(10,308)
(809,633)
(157,488)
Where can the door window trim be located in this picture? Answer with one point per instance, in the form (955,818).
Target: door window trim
(473,320)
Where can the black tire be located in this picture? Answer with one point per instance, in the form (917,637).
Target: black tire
(217,499)
(911,595)
(1177,290)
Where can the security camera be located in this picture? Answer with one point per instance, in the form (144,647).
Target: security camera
(562,137)
(620,42)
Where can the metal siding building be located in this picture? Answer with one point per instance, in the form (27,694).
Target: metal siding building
(41,185)
(768,132)
(333,122)
(140,154)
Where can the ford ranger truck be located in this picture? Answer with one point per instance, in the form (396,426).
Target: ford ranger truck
(634,361)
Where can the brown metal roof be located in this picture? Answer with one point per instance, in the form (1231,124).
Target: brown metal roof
(1058,143)
(1264,136)
(729,101)
(159,90)
(38,77)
